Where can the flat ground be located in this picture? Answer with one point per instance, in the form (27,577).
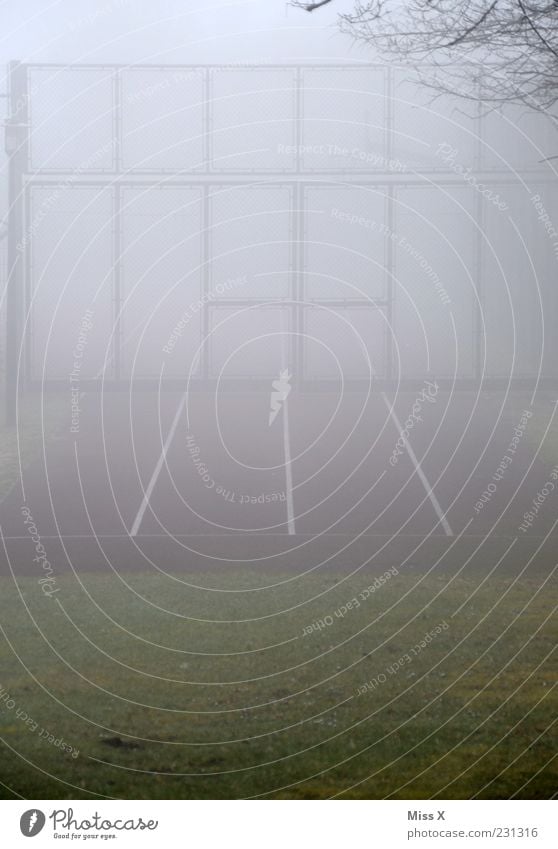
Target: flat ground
(197,637)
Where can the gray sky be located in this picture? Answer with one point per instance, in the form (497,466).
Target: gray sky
(170,31)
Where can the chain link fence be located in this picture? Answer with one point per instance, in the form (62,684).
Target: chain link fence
(182,209)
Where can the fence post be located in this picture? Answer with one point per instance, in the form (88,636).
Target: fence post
(17,149)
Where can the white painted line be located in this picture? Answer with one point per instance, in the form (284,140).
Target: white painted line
(288,469)
(435,503)
(102,536)
(149,491)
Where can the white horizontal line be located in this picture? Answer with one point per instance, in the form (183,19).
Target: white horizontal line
(278,535)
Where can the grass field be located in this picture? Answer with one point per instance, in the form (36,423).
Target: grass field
(206,685)
(171,716)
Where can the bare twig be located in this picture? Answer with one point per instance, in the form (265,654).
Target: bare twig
(536,29)
(309,7)
(473,26)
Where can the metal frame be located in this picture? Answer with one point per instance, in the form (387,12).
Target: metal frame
(23,175)
(17,148)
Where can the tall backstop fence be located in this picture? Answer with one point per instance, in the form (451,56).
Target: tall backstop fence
(158,215)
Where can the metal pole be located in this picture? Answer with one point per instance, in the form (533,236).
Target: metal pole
(117,232)
(479,349)
(207,219)
(299,309)
(17,149)
(390,317)
(117,282)
(389,330)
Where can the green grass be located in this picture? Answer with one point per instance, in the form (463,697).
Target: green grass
(198,709)
(223,697)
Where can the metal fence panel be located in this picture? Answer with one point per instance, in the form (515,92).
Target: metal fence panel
(252,119)
(345,120)
(162,271)
(519,295)
(423,122)
(435,276)
(71,277)
(72,119)
(345,242)
(251,238)
(220,188)
(163,120)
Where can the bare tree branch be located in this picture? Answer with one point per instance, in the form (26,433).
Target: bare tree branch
(473,26)
(535,29)
(309,7)
(498,51)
